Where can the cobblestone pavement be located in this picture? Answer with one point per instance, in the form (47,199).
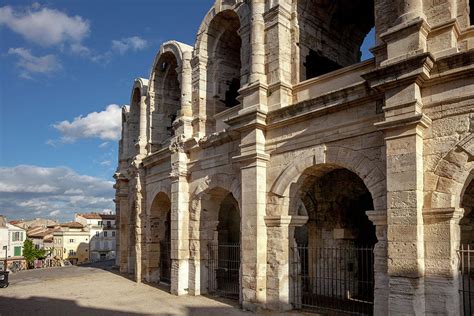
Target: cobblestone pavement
(98,291)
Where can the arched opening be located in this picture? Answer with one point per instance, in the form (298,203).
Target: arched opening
(159,250)
(471,12)
(134,122)
(331,34)
(167,98)
(333,263)
(221,225)
(224,62)
(466,251)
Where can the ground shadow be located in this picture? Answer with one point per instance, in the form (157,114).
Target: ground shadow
(47,306)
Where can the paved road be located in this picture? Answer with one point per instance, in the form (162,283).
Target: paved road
(99,290)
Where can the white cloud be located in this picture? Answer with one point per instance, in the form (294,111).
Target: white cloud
(106,163)
(104,145)
(134,43)
(44,26)
(105,125)
(79,49)
(30,64)
(55,213)
(60,192)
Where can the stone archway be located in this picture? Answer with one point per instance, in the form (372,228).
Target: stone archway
(159,241)
(331,256)
(281,220)
(219,243)
(443,213)
(205,204)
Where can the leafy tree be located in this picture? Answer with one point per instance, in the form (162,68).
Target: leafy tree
(30,253)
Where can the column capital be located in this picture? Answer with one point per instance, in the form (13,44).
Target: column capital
(286,220)
(442,214)
(378,218)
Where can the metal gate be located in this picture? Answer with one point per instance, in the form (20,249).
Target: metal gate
(224,270)
(165,262)
(466,286)
(333,281)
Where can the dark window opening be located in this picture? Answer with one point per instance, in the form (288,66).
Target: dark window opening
(471,12)
(317,65)
(333,34)
(232,93)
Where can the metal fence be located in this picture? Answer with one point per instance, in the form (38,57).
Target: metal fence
(224,270)
(333,281)
(466,286)
(165,262)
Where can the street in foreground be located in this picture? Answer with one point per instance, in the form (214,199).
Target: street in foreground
(98,290)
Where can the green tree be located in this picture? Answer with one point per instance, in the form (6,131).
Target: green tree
(30,253)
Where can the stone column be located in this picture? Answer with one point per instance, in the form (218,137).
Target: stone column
(121,200)
(408,10)
(142,136)
(381,280)
(179,220)
(442,240)
(199,95)
(183,125)
(408,36)
(281,73)
(257,71)
(139,232)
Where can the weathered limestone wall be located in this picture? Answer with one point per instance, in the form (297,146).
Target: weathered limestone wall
(234,116)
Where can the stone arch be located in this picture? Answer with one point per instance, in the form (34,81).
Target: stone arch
(137,116)
(222,59)
(123,144)
(219,180)
(238,6)
(152,192)
(169,90)
(159,233)
(204,200)
(371,173)
(452,172)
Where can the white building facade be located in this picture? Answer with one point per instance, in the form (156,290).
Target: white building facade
(103,232)
(11,237)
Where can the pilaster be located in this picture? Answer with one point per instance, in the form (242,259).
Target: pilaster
(253,161)
(442,240)
(280,280)
(381,279)
(179,219)
(404,126)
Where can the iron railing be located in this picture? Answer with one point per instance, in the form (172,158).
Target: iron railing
(224,270)
(165,262)
(466,284)
(333,280)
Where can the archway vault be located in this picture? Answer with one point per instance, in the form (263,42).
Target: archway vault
(371,172)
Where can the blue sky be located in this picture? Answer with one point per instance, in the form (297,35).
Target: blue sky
(66,67)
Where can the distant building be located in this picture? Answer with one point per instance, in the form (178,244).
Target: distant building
(42,238)
(103,232)
(13,238)
(37,222)
(71,242)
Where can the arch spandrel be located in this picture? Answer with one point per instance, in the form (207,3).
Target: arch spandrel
(224,181)
(453,173)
